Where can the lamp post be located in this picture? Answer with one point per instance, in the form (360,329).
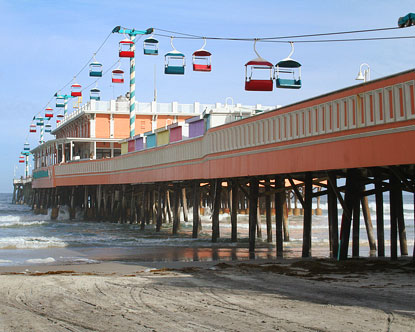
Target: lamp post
(365,75)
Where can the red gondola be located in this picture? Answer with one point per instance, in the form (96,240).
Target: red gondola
(76,90)
(253,66)
(49,112)
(125,48)
(202,60)
(32,128)
(117,76)
(21,159)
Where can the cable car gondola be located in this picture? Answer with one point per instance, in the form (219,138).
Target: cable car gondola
(174,61)
(26,147)
(40,122)
(117,76)
(21,159)
(202,59)
(292,69)
(76,90)
(95,69)
(32,128)
(254,66)
(60,115)
(60,101)
(48,128)
(95,94)
(125,48)
(49,112)
(150,46)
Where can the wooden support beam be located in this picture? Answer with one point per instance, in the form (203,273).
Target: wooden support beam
(167,206)
(234,210)
(333,218)
(393,217)
(369,226)
(268,211)
(144,208)
(253,206)
(296,191)
(160,196)
(184,204)
(356,220)
(196,206)
(216,206)
(279,213)
(351,175)
(346,210)
(400,219)
(176,209)
(306,252)
(380,229)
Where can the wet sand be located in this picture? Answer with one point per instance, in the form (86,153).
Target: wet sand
(261,295)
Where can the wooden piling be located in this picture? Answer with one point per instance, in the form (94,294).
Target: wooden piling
(196,203)
(184,204)
(167,206)
(333,218)
(216,206)
(351,189)
(160,208)
(279,212)
(144,210)
(234,210)
(369,226)
(308,198)
(258,221)
(380,231)
(268,210)
(393,217)
(176,209)
(356,222)
(400,219)
(253,201)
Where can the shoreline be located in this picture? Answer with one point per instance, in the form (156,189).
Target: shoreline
(284,295)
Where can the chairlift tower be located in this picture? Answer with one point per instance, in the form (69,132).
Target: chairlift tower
(132,33)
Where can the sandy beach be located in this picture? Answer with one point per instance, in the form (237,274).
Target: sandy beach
(261,295)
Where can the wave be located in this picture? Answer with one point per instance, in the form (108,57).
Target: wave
(41,260)
(26,242)
(18,223)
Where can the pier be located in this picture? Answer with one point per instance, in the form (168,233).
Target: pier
(346,145)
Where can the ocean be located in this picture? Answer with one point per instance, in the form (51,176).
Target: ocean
(29,239)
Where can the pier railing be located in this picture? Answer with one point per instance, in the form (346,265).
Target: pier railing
(375,108)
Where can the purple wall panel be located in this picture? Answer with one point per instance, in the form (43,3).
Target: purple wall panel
(196,128)
(139,143)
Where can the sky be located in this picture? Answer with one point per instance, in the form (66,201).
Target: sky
(44,43)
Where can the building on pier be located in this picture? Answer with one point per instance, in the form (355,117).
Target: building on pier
(97,129)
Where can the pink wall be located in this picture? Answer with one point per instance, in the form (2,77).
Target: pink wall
(176,134)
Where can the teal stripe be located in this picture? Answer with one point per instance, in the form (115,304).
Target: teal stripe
(132,94)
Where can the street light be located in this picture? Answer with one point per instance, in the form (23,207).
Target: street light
(365,75)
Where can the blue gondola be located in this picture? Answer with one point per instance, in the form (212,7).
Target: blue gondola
(95,69)
(26,147)
(288,72)
(95,94)
(150,46)
(174,61)
(48,128)
(60,101)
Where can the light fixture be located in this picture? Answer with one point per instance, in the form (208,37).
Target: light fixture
(365,75)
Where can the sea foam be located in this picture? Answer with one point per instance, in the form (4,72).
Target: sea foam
(26,242)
